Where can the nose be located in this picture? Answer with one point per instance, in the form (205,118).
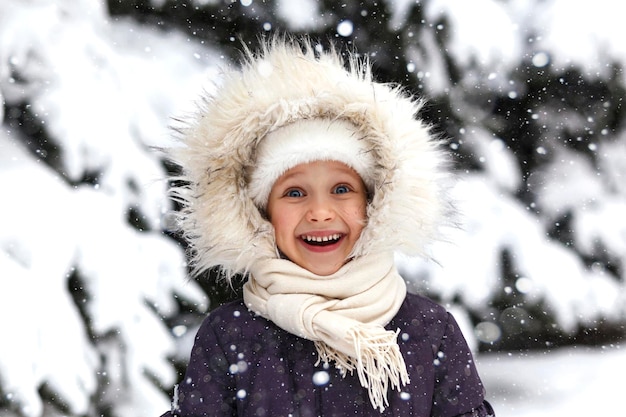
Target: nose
(320,210)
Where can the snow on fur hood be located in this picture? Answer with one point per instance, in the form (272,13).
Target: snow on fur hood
(287,81)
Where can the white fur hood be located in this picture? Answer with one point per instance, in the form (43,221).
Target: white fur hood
(285,82)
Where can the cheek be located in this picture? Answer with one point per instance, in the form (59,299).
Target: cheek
(279,235)
(362,216)
(282,222)
(361,210)
(356,214)
(278,225)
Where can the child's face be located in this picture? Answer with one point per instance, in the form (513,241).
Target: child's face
(322,200)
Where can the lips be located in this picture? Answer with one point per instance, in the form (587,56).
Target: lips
(324,240)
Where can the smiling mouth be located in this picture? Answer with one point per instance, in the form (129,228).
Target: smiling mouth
(321,240)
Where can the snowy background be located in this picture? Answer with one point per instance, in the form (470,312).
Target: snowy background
(96,309)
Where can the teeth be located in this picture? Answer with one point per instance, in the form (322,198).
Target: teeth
(335,236)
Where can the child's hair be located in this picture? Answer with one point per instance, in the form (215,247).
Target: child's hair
(285,83)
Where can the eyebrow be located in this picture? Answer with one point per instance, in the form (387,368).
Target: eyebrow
(285,177)
(298,173)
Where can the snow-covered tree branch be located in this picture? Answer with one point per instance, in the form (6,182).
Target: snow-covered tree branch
(94,290)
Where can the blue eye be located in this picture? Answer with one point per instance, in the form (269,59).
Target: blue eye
(341,189)
(294,193)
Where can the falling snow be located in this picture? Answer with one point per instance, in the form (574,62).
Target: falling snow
(106,89)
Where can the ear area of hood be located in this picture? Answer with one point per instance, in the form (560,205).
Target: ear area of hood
(289,81)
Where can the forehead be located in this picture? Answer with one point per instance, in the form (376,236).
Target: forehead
(318,169)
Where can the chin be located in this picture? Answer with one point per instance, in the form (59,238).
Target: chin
(326,270)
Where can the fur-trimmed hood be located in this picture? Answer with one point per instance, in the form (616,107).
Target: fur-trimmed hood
(285,82)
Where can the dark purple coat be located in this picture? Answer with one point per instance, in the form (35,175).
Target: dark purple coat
(244,365)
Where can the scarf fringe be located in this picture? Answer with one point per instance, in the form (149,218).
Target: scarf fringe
(378,362)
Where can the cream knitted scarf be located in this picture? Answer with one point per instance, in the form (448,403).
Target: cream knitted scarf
(343,313)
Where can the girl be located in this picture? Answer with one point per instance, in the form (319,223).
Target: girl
(306,177)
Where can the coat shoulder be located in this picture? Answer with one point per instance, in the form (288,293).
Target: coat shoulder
(418,306)
(421,318)
(233,324)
